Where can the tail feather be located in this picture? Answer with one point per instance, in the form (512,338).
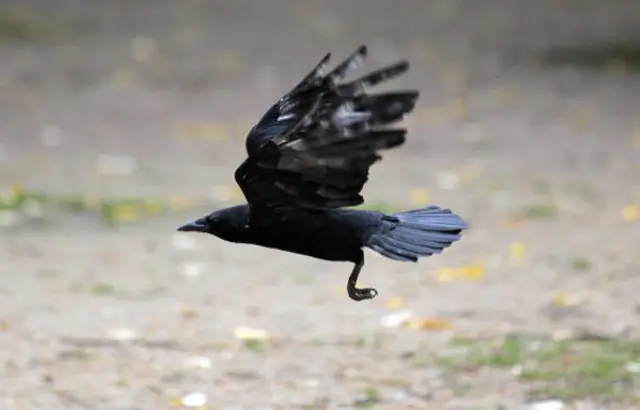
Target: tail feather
(407,236)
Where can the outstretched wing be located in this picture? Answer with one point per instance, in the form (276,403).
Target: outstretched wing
(314,147)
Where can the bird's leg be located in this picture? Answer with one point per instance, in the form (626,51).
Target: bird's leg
(355,293)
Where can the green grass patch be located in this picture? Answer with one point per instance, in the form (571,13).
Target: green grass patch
(539,211)
(18,205)
(581,264)
(19,24)
(607,370)
(103,289)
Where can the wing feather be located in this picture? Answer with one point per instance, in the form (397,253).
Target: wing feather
(313,148)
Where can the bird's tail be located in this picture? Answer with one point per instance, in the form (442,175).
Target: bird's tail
(410,235)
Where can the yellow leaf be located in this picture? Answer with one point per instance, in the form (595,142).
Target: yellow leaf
(154,207)
(560,299)
(395,303)
(126,213)
(469,272)
(517,250)
(430,324)
(446,274)
(473,271)
(567,299)
(17,190)
(248,333)
(419,196)
(631,212)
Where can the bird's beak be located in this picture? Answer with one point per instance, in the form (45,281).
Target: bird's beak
(193,226)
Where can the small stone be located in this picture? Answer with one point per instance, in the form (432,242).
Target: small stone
(198,362)
(195,399)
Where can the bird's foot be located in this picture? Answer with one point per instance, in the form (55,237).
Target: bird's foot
(359,294)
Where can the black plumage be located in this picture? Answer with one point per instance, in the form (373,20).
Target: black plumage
(309,158)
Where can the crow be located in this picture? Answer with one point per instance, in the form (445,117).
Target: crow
(308,159)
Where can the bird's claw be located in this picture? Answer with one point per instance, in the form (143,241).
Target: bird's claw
(359,294)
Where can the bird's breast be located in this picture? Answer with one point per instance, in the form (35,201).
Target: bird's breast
(316,236)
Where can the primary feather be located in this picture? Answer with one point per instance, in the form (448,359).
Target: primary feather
(314,147)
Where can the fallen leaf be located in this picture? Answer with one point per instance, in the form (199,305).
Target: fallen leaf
(631,213)
(153,207)
(517,250)
(395,303)
(188,313)
(121,334)
(249,333)
(547,405)
(430,324)
(126,213)
(198,362)
(568,299)
(396,319)
(469,272)
(195,399)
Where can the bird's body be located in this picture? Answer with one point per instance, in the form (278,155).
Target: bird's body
(333,235)
(308,159)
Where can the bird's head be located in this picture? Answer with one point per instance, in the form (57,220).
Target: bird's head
(228,224)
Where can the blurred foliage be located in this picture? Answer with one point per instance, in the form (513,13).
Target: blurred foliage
(569,369)
(18,24)
(19,205)
(618,57)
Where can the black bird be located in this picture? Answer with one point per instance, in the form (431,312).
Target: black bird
(309,157)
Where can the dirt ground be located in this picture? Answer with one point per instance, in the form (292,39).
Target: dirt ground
(528,127)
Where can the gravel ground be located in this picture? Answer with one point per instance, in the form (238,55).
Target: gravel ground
(528,126)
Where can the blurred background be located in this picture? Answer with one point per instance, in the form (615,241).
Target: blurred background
(119,120)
